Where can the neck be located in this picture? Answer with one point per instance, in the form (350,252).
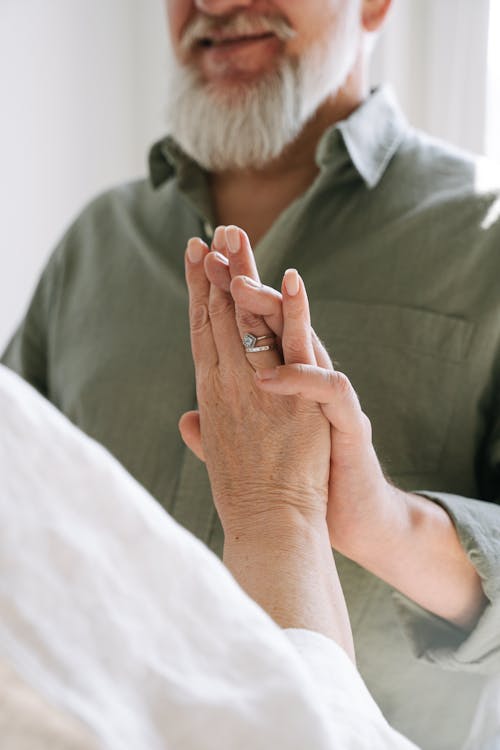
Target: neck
(253,198)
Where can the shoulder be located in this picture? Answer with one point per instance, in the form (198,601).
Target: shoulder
(439,166)
(120,219)
(136,201)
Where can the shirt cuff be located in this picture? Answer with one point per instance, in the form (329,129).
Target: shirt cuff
(357,721)
(329,664)
(438,641)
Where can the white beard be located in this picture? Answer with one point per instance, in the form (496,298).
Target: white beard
(249,125)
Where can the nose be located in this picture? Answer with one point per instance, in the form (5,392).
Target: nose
(222,7)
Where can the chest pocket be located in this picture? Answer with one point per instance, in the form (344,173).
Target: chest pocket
(405,366)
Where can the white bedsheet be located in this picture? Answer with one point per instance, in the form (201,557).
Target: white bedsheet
(124,631)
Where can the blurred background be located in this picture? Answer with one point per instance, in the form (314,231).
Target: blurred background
(82,92)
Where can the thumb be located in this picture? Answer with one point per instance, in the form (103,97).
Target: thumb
(189,427)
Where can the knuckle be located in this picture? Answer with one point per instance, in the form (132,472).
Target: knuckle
(298,371)
(294,313)
(294,347)
(198,316)
(207,387)
(248,320)
(339,383)
(344,384)
(220,306)
(230,382)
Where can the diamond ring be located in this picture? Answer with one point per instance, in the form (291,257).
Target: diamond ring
(249,341)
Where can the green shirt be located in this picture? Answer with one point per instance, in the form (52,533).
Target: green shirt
(399,247)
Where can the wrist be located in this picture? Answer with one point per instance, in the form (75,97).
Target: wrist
(277,552)
(285,564)
(273,516)
(385,531)
(284,530)
(419,554)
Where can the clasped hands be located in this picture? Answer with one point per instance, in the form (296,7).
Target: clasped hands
(290,456)
(282,432)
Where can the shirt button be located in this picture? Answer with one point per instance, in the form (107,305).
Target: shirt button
(208,229)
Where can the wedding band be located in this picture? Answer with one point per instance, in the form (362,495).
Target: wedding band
(255,349)
(249,341)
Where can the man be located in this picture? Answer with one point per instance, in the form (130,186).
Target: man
(272,128)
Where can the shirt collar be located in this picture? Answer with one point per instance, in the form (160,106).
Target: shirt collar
(165,159)
(371,135)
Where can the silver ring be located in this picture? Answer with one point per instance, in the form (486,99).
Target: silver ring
(255,349)
(249,341)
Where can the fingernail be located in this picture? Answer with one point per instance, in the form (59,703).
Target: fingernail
(250,282)
(221,258)
(219,240)
(267,373)
(195,250)
(291,280)
(233,239)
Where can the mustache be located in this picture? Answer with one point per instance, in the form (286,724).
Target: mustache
(241,24)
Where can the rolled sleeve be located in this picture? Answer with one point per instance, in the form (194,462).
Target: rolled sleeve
(438,641)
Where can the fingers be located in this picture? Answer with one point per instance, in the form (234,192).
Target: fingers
(259,309)
(217,265)
(202,341)
(252,323)
(220,268)
(259,300)
(297,340)
(217,270)
(331,389)
(214,334)
(266,301)
(189,427)
(234,243)
(224,329)
(239,253)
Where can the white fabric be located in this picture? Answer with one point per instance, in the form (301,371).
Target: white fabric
(29,722)
(118,618)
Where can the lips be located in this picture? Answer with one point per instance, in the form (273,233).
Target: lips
(241,56)
(212,42)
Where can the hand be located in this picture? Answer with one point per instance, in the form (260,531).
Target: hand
(267,458)
(361,500)
(406,540)
(264,455)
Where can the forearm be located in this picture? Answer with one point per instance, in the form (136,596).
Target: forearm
(423,559)
(287,567)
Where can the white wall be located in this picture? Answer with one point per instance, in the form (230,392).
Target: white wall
(493,105)
(81,89)
(435,54)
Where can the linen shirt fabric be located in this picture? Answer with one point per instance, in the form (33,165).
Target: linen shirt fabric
(119,629)
(398,242)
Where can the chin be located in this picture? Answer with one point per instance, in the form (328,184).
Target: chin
(235,122)
(237,83)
